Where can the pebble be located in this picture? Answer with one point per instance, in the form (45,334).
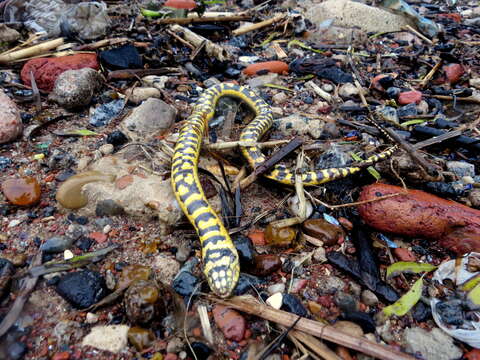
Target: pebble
(475,83)
(246,282)
(64,355)
(258,237)
(474,197)
(276,288)
(106,149)
(132,273)
(16,350)
(280,236)
(349,328)
(292,304)
(369,298)
(259,81)
(321,229)
(74,89)
(348,90)
(461,168)
(116,138)
(109,208)
(23,191)
(294,205)
(113,338)
(56,244)
(104,113)
(175,345)
(141,301)
(327,87)
(266,264)
(140,338)
(183,252)
(201,350)
(453,72)
(345,302)
(407,110)
(98,236)
(166,268)
(230,322)
(8,35)
(404,254)
(280,98)
(82,288)
(275,301)
(319,255)
(422,107)
(409,97)
(327,285)
(245,249)
(431,345)
(91,318)
(185,283)
(11,125)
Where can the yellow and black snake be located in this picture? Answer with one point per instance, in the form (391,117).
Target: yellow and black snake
(220,258)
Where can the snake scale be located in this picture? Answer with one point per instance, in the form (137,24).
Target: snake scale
(220,258)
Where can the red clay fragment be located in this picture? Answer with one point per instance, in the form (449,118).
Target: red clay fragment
(453,72)
(181,4)
(409,97)
(419,214)
(278,67)
(46,70)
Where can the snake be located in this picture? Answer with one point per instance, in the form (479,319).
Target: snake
(220,258)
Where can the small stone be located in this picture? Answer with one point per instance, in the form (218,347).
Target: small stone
(64,355)
(165,268)
(11,125)
(258,237)
(276,288)
(98,236)
(327,87)
(266,264)
(8,35)
(369,298)
(201,350)
(280,236)
(321,229)
(407,110)
(67,255)
(461,168)
(211,81)
(319,255)
(453,72)
(133,273)
(56,244)
(259,81)
(423,107)
(82,288)
(474,197)
(404,254)
(117,138)
(348,90)
(140,301)
(410,97)
(16,350)
(22,191)
(292,304)
(345,302)
(475,82)
(91,318)
(185,283)
(106,149)
(387,113)
(230,322)
(280,98)
(183,252)
(140,338)
(327,285)
(175,345)
(107,228)
(431,345)
(74,89)
(113,338)
(246,282)
(276,300)
(294,204)
(381,82)
(244,248)
(349,328)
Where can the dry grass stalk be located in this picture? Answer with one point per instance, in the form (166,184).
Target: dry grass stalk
(34,50)
(259,25)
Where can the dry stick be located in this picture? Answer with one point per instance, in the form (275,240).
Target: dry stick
(184,42)
(197,50)
(415,32)
(135,73)
(279,51)
(306,353)
(315,328)
(430,74)
(186,21)
(101,43)
(259,25)
(277,156)
(31,51)
(211,48)
(437,139)
(323,94)
(316,345)
(457,98)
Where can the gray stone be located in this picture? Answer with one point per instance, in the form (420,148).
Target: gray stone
(109,207)
(111,338)
(56,244)
(369,298)
(299,125)
(280,98)
(8,35)
(474,197)
(387,113)
(327,285)
(74,88)
(345,302)
(348,90)
(10,121)
(461,168)
(106,149)
(183,252)
(319,255)
(259,81)
(432,345)
(153,117)
(175,345)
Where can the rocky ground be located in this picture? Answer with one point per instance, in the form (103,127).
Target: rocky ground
(97,261)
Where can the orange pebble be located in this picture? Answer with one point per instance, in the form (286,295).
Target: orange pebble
(278,67)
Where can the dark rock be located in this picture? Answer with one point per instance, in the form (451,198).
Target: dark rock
(117,138)
(393,92)
(124,57)
(265,265)
(6,271)
(49,211)
(82,288)
(82,220)
(451,311)
(140,300)
(4,163)
(65,175)
(185,283)
(202,351)
(345,302)
(109,208)
(16,350)
(104,113)
(246,282)
(360,318)
(293,305)
(56,244)
(407,110)
(421,312)
(84,243)
(245,249)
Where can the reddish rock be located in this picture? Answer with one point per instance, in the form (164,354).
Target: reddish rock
(453,72)
(181,4)
(230,322)
(473,355)
(61,356)
(23,191)
(46,70)
(452,16)
(257,237)
(323,230)
(279,67)
(376,82)
(409,97)
(124,181)
(266,264)
(98,236)
(10,121)
(403,254)
(419,214)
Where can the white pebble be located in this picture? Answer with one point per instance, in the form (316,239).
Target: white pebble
(275,301)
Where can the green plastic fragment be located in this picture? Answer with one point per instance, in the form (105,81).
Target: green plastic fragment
(407,301)
(408,267)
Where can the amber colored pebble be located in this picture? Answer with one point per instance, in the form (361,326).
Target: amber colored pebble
(279,236)
(140,338)
(22,191)
(257,237)
(266,66)
(266,264)
(131,273)
(323,230)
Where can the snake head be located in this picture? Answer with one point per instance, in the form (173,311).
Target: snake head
(222,269)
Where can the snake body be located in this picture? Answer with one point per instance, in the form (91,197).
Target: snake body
(220,258)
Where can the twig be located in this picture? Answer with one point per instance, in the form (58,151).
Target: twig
(437,139)
(205,322)
(323,94)
(313,343)
(31,51)
(420,35)
(251,306)
(430,74)
(184,42)
(457,98)
(259,25)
